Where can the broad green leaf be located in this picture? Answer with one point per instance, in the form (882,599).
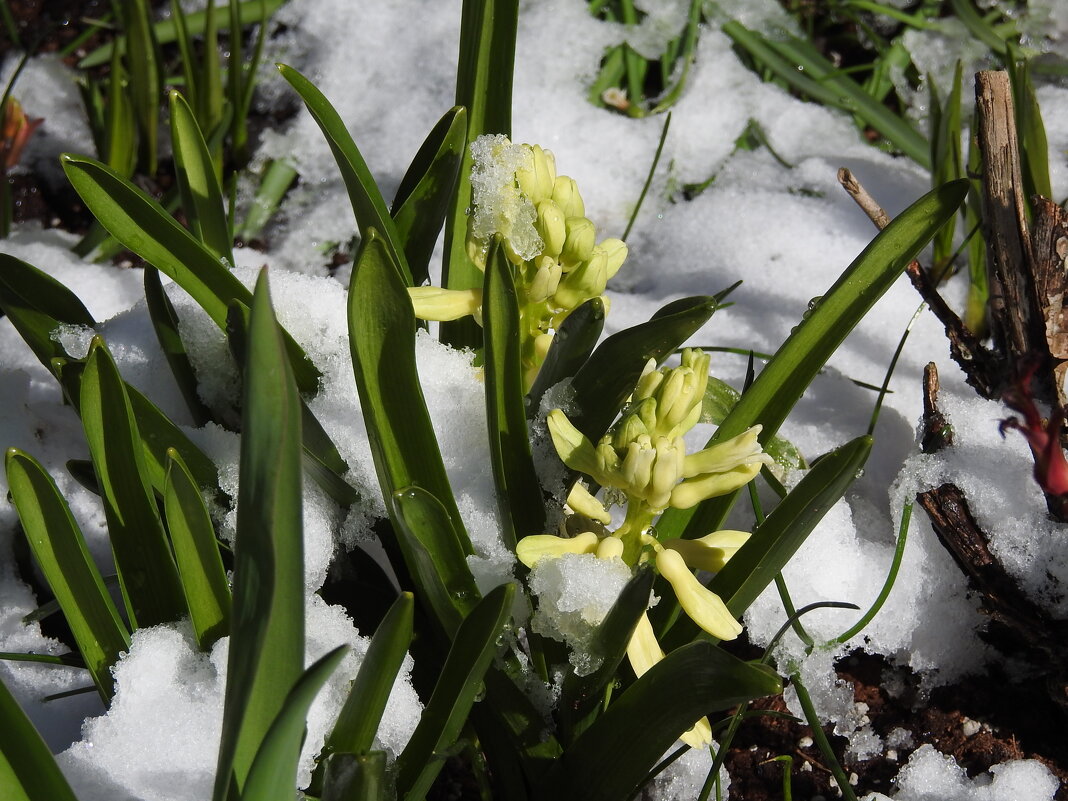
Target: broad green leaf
(608,377)
(36,303)
(165,324)
(794,365)
(459,683)
(582,696)
(166,32)
(427,189)
(570,348)
(200,567)
(367,202)
(720,398)
(518,490)
(147,573)
(805,69)
(615,753)
(348,777)
(198,183)
(775,541)
(357,723)
(146,79)
(484,88)
(142,225)
(382,341)
(60,551)
(266,656)
(431,550)
(28,771)
(273,776)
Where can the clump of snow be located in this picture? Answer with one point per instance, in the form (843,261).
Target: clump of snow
(74,339)
(575,592)
(931,776)
(498,205)
(683,779)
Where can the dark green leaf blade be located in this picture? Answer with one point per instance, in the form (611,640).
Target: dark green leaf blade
(615,753)
(427,189)
(455,692)
(60,551)
(570,348)
(367,202)
(267,642)
(196,552)
(348,777)
(147,573)
(28,771)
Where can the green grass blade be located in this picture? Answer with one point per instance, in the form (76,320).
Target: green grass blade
(146,78)
(947,158)
(435,560)
(166,32)
(454,694)
(60,551)
(357,723)
(803,68)
(816,338)
(484,87)
(582,696)
(196,552)
(609,760)
(185,50)
(1031,132)
(277,179)
(518,490)
(266,655)
(235,86)
(142,225)
(212,109)
(120,132)
(382,340)
(367,202)
(348,777)
(273,776)
(28,771)
(198,182)
(427,189)
(569,350)
(165,324)
(147,573)
(965,11)
(607,379)
(776,540)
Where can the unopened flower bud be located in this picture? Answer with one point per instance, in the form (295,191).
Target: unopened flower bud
(443,305)
(610,548)
(616,252)
(581,238)
(586,281)
(546,279)
(537,180)
(627,431)
(530,550)
(551,227)
(542,343)
(667,470)
(566,194)
(703,606)
(637,467)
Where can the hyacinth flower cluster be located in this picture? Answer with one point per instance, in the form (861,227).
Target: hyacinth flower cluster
(643,460)
(541,216)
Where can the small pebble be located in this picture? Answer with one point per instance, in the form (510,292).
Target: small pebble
(804,742)
(806,767)
(891,755)
(970,727)
(853,779)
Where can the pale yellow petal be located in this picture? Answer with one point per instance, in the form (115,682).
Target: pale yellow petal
(700,736)
(530,550)
(582,502)
(444,305)
(643,651)
(694,490)
(575,450)
(703,606)
(741,450)
(710,552)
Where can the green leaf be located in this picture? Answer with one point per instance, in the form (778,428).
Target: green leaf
(484,88)
(609,760)
(777,539)
(352,777)
(120,134)
(721,398)
(794,365)
(142,225)
(518,490)
(608,377)
(147,573)
(146,79)
(382,340)
(454,694)
(582,696)
(28,771)
(165,324)
(198,182)
(569,350)
(947,158)
(427,189)
(367,202)
(266,655)
(978,27)
(36,303)
(432,552)
(249,13)
(60,551)
(357,723)
(273,776)
(802,66)
(196,551)
(1031,132)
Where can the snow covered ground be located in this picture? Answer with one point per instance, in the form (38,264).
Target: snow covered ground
(787,232)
